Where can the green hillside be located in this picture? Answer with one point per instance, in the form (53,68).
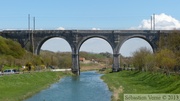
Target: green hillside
(11,48)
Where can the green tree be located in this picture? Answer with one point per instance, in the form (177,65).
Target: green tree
(139,58)
(150,62)
(58,59)
(166,60)
(171,41)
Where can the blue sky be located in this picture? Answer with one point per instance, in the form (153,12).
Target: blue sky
(83,14)
(86,14)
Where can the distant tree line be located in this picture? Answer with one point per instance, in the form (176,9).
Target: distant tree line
(102,57)
(57,59)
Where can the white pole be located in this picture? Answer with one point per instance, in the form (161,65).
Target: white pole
(151,22)
(34,22)
(154,21)
(29,18)
(29,21)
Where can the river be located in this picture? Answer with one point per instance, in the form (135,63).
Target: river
(86,87)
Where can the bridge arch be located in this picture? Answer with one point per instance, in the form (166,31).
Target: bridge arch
(140,37)
(106,47)
(91,37)
(43,40)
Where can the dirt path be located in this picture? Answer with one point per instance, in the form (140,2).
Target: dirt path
(116,93)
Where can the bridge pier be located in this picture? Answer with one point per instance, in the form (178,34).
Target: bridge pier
(76,72)
(75,64)
(116,63)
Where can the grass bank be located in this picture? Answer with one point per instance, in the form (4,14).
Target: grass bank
(21,86)
(133,82)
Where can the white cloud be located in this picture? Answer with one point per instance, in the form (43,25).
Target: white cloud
(95,29)
(61,28)
(162,22)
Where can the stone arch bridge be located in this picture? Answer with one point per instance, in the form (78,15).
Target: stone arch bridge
(32,40)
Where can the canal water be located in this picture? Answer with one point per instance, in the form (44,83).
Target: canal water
(86,87)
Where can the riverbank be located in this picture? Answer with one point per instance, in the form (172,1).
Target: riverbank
(18,87)
(133,82)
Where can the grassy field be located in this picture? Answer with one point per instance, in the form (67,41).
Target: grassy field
(133,82)
(18,87)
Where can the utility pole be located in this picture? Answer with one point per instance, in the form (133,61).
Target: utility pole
(29,21)
(29,18)
(154,20)
(34,21)
(32,35)
(151,22)
(153,25)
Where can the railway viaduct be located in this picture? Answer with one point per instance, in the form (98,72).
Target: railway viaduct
(32,40)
